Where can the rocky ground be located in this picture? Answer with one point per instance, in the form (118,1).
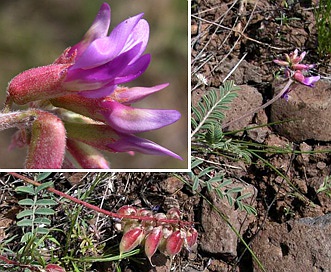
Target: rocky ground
(292,229)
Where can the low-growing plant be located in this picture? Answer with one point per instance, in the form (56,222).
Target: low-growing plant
(216,181)
(167,233)
(35,221)
(325,186)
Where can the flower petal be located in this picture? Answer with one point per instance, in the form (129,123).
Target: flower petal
(132,143)
(310,81)
(134,70)
(132,120)
(88,79)
(140,34)
(102,50)
(99,93)
(98,29)
(126,95)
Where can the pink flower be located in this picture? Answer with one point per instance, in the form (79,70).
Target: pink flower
(297,71)
(94,66)
(308,81)
(82,85)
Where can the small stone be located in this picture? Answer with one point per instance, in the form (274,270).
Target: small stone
(321,165)
(258,134)
(171,185)
(301,185)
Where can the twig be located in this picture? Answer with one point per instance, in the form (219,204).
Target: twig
(15,263)
(245,36)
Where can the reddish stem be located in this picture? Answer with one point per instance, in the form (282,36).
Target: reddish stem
(11,262)
(97,209)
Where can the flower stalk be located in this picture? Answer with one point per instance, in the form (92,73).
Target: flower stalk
(166,232)
(294,73)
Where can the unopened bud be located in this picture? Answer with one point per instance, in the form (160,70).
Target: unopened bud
(175,242)
(152,242)
(127,210)
(47,142)
(54,268)
(131,239)
(173,213)
(191,237)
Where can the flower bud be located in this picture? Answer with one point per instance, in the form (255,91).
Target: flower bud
(47,142)
(191,237)
(87,156)
(38,83)
(147,224)
(159,216)
(281,62)
(173,213)
(127,210)
(144,212)
(54,268)
(300,66)
(152,242)
(175,242)
(131,239)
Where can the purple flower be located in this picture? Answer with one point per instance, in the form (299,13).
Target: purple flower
(308,81)
(83,86)
(93,67)
(297,71)
(121,116)
(103,137)
(101,62)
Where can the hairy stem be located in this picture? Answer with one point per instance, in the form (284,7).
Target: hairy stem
(16,119)
(99,210)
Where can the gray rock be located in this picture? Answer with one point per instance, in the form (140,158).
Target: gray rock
(248,99)
(218,238)
(310,112)
(299,245)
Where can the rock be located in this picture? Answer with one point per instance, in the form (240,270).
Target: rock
(299,245)
(171,185)
(277,141)
(309,110)
(245,72)
(301,185)
(219,266)
(248,99)
(257,134)
(218,239)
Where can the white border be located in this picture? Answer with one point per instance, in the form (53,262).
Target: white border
(188,125)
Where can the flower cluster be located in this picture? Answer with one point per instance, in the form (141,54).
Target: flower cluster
(161,232)
(82,90)
(296,70)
